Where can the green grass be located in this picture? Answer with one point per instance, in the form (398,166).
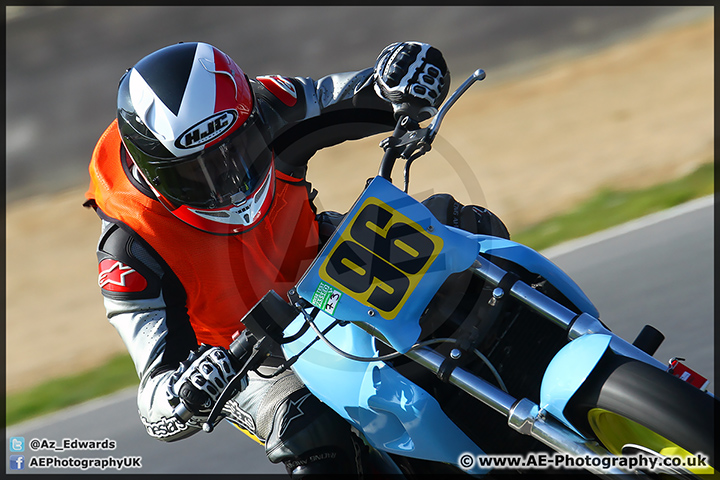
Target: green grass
(604,210)
(59,393)
(613,207)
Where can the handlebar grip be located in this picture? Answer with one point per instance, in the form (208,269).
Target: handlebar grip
(413,110)
(182,413)
(242,346)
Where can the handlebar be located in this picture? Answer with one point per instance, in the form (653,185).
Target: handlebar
(409,141)
(264,324)
(182,413)
(245,355)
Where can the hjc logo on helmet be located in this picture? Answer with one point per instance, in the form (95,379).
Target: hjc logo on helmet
(207,130)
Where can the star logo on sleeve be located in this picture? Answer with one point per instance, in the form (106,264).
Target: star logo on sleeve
(294,411)
(115,276)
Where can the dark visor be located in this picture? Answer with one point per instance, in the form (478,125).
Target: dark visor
(216,177)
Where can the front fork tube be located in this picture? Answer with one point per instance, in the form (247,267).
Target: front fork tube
(524,415)
(576,325)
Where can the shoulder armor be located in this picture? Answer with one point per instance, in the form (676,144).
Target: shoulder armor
(282,87)
(125,270)
(282,100)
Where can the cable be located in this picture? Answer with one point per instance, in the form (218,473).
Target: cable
(495,373)
(390,356)
(380,358)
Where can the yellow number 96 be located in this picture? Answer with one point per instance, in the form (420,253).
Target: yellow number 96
(380,257)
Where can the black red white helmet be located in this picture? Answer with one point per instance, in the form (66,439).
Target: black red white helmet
(188,119)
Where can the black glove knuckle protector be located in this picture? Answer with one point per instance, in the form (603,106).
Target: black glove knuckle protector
(412,73)
(200,379)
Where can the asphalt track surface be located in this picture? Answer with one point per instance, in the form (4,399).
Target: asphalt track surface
(654,270)
(63,64)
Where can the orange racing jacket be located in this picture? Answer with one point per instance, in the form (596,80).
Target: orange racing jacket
(223,275)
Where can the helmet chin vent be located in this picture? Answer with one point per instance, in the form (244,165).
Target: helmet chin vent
(216,214)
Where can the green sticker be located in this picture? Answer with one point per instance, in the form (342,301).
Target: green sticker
(326,298)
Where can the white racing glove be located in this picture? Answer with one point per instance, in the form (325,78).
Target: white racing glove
(200,379)
(413,77)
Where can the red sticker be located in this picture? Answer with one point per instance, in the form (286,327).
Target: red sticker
(281,87)
(117,277)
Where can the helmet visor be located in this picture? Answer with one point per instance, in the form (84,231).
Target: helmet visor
(219,176)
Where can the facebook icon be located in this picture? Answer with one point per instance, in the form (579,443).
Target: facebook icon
(17,462)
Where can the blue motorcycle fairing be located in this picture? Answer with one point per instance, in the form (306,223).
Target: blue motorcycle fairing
(536,263)
(384,263)
(394,414)
(568,370)
(390,255)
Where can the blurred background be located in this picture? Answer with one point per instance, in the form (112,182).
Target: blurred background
(63,65)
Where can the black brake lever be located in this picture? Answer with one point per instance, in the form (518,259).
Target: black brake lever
(408,141)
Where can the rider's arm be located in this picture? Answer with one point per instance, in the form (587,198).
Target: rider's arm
(304,115)
(145,303)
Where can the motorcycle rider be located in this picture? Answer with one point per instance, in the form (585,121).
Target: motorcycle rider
(200,186)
